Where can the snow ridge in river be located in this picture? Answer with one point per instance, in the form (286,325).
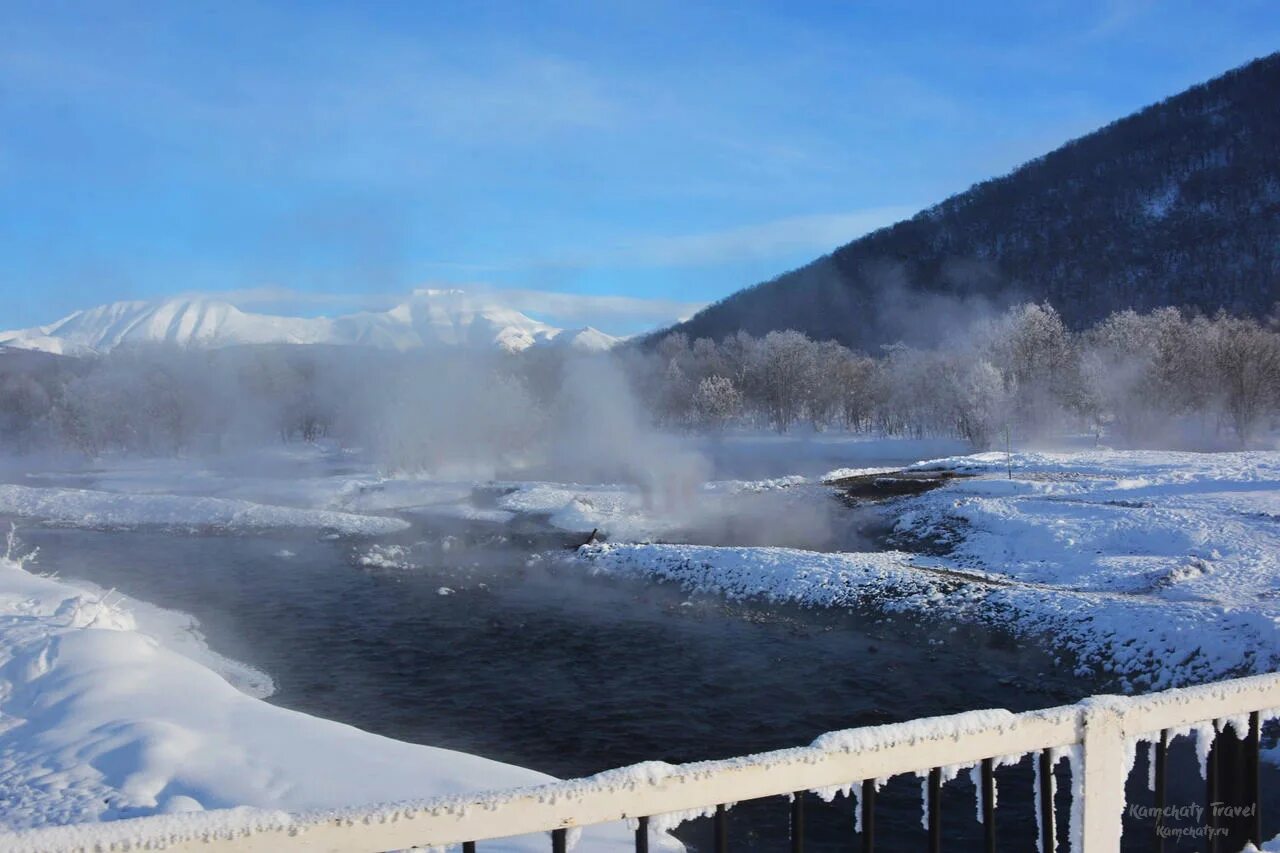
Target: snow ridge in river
(98,509)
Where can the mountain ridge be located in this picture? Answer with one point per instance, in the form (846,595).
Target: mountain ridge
(427,319)
(1176,204)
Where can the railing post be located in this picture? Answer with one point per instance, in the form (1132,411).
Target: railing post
(868,815)
(797,822)
(988,805)
(1048,832)
(1235,760)
(935,810)
(1161,759)
(1104,777)
(1255,776)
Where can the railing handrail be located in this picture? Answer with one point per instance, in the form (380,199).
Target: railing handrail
(1104,726)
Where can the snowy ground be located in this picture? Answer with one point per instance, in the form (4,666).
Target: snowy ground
(1157,568)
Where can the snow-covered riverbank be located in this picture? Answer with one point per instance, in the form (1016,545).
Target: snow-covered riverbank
(102,721)
(1159,568)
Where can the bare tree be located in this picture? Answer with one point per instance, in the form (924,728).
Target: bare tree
(783,367)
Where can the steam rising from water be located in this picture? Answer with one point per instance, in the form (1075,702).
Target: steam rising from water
(602,434)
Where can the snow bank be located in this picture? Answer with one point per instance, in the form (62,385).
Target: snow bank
(102,722)
(622,512)
(180,632)
(749,454)
(97,509)
(1167,561)
(845,473)
(778,574)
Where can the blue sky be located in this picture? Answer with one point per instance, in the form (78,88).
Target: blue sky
(320,157)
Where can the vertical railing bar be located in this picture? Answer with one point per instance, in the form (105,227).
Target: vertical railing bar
(722,829)
(988,805)
(642,835)
(559,841)
(1255,775)
(1162,756)
(935,810)
(797,822)
(1211,792)
(869,816)
(1048,833)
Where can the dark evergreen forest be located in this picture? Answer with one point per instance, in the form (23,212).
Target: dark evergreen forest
(1176,205)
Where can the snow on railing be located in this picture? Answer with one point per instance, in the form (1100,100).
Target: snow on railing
(1098,737)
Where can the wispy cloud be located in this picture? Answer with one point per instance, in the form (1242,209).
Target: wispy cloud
(778,240)
(608,312)
(780,237)
(272,294)
(1117,16)
(594,310)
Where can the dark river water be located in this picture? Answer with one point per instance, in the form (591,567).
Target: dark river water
(539,664)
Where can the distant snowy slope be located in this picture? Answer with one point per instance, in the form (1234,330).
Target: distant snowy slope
(587,339)
(427,319)
(185,322)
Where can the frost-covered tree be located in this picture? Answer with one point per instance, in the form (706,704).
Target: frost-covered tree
(979,400)
(783,368)
(1033,351)
(825,396)
(716,402)
(855,381)
(1246,359)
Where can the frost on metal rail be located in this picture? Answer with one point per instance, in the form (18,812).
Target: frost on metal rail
(1098,736)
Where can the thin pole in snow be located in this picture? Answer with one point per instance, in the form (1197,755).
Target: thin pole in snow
(1008,450)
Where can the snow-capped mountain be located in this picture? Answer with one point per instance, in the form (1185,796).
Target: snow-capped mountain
(427,319)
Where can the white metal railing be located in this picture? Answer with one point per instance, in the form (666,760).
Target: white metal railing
(1098,733)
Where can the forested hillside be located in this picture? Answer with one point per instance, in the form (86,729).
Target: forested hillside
(1178,204)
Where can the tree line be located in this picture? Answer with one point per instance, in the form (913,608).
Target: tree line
(1161,378)
(1165,377)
